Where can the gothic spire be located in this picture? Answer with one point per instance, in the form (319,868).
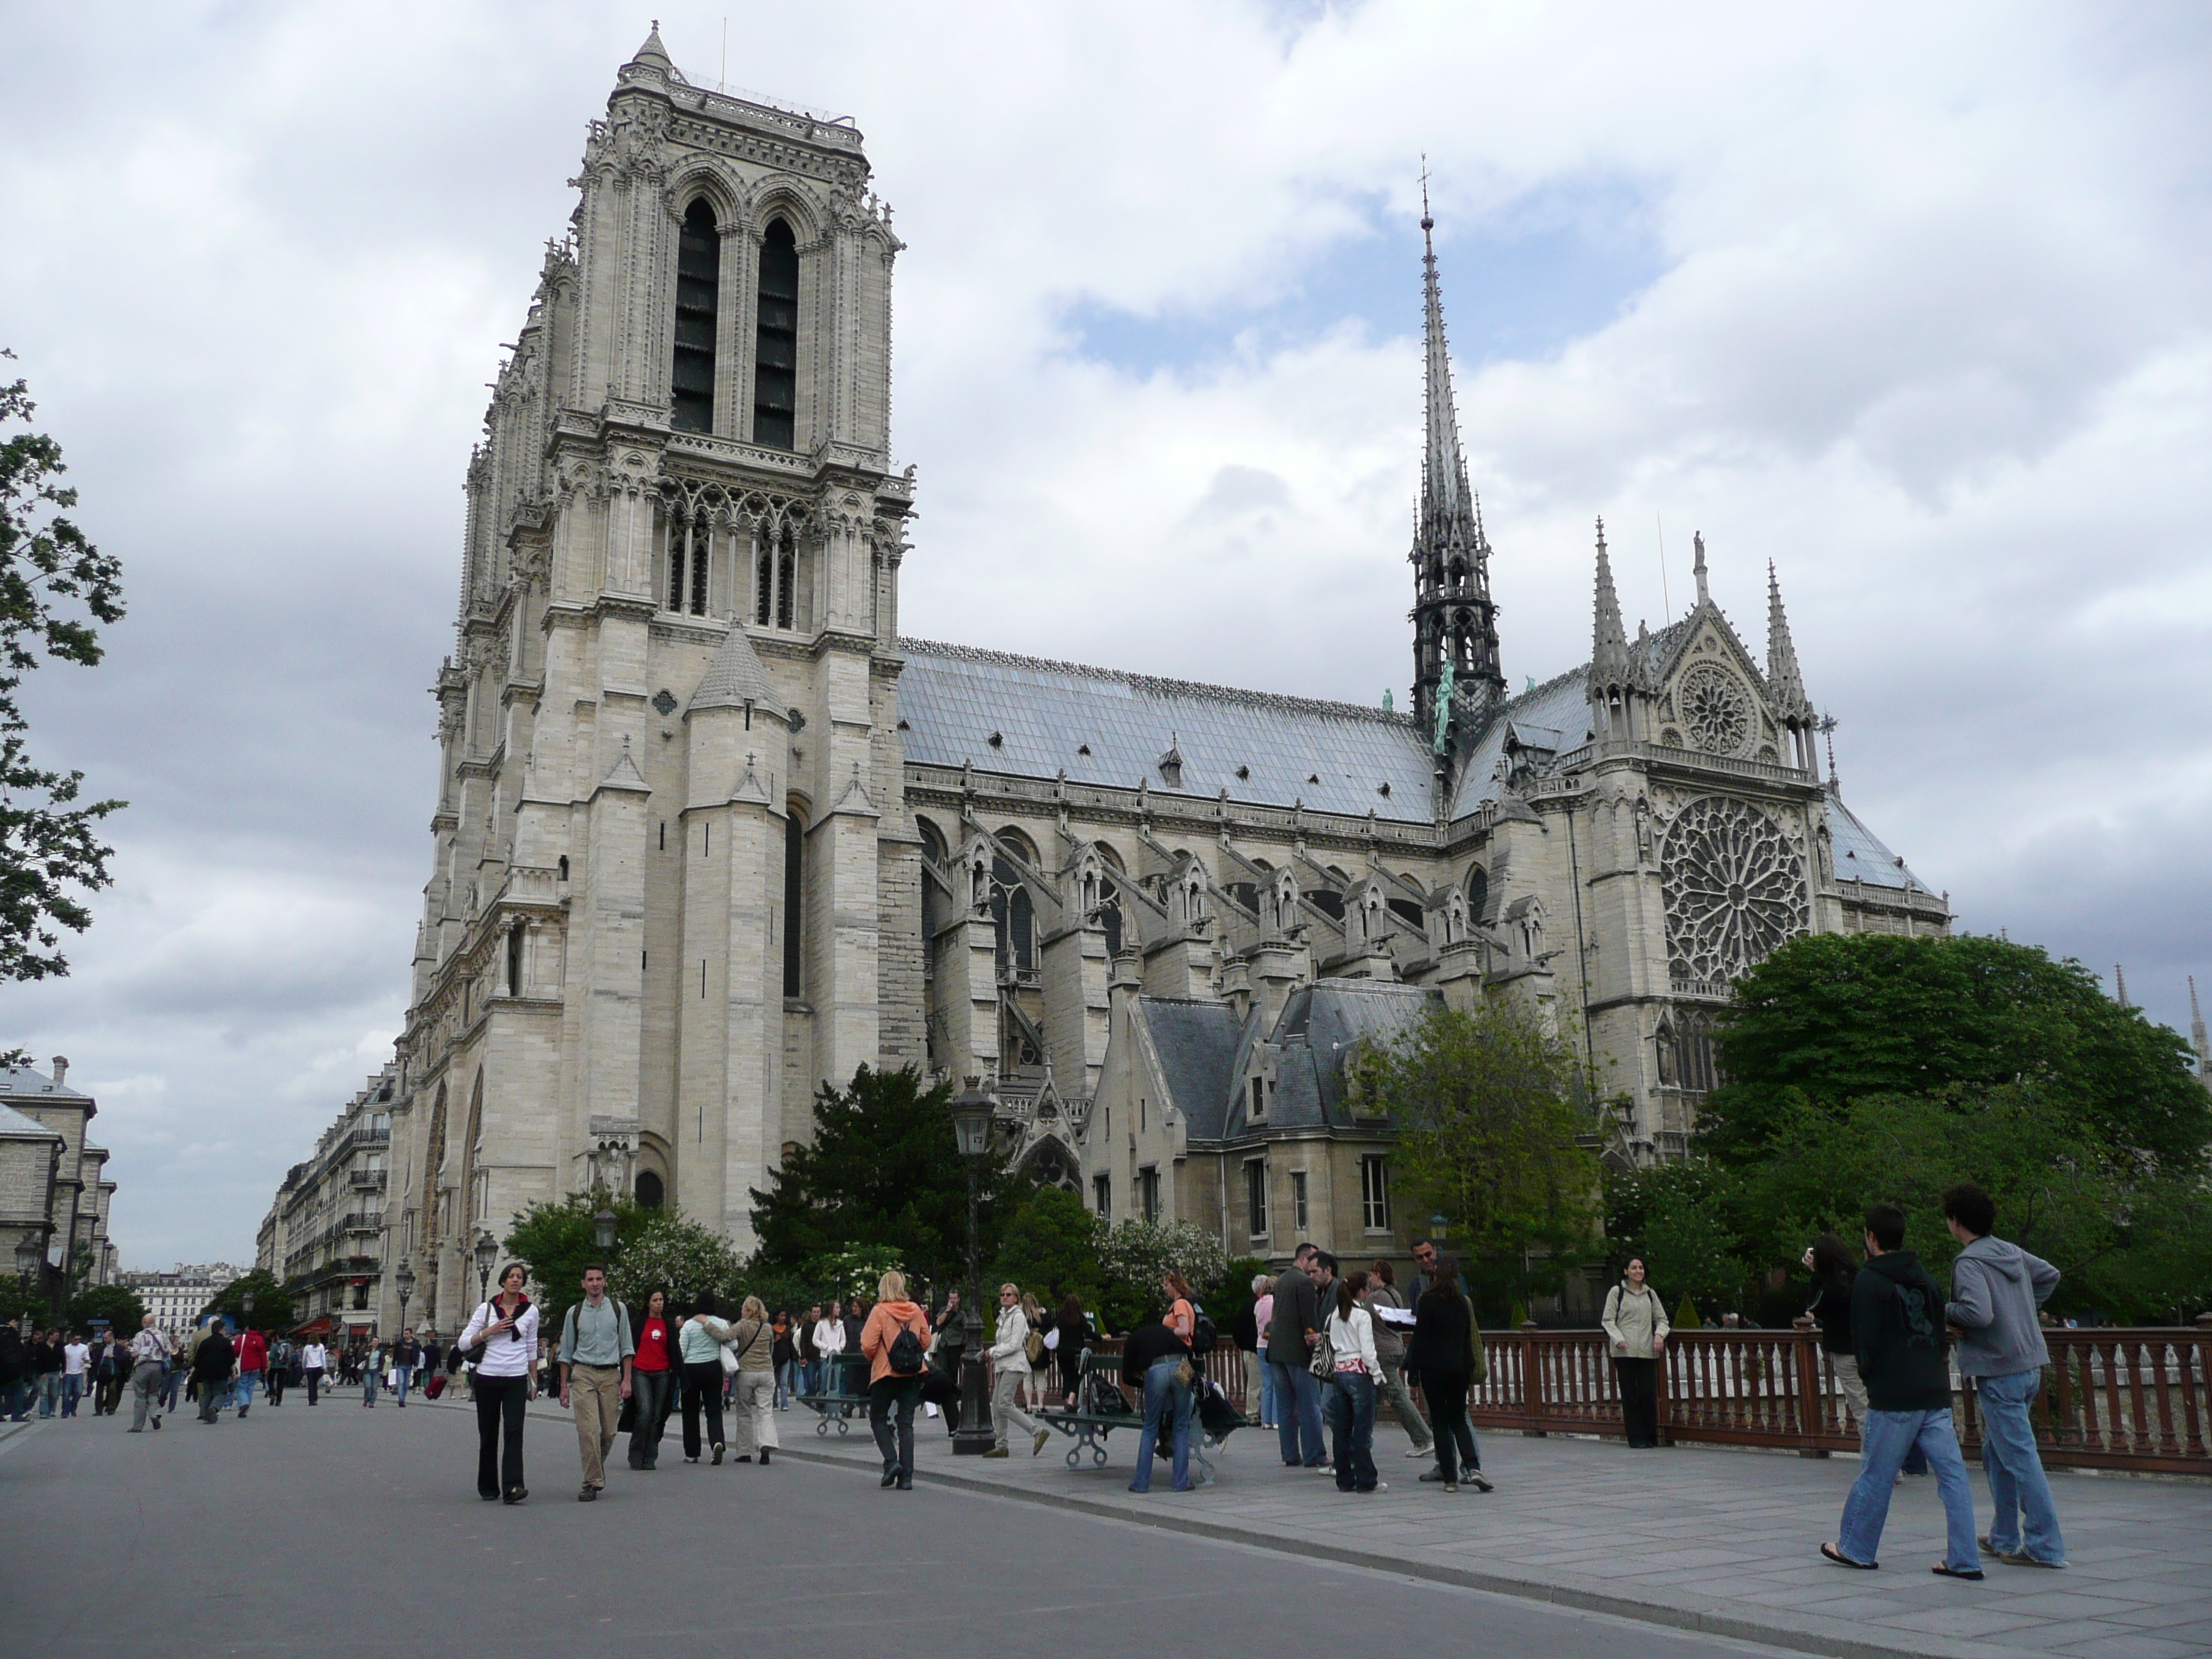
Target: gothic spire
(1609,659)
(652,51)
(1782,678)
(1454,623)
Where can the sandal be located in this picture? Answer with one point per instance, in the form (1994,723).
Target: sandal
(1843,1560)
(1944,1569)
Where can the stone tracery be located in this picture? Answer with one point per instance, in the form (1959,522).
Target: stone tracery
(1735,890)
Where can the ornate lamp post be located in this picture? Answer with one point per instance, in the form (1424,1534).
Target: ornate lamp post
(487,1259)
(603,1227)
(245,1304)
(404,1280)
(972,1112)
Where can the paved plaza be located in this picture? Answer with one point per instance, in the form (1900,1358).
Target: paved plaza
(1718,1540)
(344,1532)
(243,1536)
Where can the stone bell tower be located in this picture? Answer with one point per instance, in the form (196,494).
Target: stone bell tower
(673,872)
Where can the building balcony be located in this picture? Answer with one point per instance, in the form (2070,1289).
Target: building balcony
(366,1181)
(363,1222)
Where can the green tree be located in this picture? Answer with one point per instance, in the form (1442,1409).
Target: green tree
(555,1239)
(1680,1220)
(883,1170)
(116,1303)
(54,586)
(1833,1018)
(1050,1248)
(272,1303)
(1132,1256)
(22,1298)
(669,1253)
(1490,1136)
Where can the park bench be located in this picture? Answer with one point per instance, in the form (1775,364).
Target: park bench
(1103,1405)
(844,1395)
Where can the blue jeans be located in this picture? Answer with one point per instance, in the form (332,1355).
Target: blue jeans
(369,1379)
(2018,1489)
(72,1391)
(50,1390)
(1266,1374)
(242,1390)
(1349,1409)
(1883,1441)
(406,1375)
(1297,1414)
(1167,1403)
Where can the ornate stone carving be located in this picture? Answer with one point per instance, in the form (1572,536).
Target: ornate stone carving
(1735,889)
(1717,709)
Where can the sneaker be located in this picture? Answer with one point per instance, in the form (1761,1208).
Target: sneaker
(1435,1476)
(1422,1451)
(717,1454)
(998,1451)
(1043,1435)
(1479,1481)
(1380,1485)
(587,1494)
(1450,1486)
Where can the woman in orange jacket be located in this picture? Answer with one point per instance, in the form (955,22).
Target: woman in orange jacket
(896,1370)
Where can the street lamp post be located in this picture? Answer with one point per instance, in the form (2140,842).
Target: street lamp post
(487,1259)
(404,1280)
(972,1112)
(603,1227)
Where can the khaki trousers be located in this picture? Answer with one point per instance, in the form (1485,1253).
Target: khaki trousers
(753,1399)
(1006,1413)
(595,1396)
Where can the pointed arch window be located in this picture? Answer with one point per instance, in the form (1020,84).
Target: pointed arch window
(794,891)
(775,577)
(698,283)
(775,362)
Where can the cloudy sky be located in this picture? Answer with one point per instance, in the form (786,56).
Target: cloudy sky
(1912,300)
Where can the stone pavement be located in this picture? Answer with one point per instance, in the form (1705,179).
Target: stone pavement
(1701,1538)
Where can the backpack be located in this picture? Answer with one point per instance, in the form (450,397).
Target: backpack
(1203,1336)
(906,1357)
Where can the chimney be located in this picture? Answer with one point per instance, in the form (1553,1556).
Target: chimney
(61,1070)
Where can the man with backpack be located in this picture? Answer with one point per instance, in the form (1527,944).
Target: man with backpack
(1896,1332)
(595,1354)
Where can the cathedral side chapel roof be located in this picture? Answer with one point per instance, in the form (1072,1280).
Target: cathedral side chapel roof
(1555,715)
(735,678)
(1334,756)
(1317,1032)
(1197,1042)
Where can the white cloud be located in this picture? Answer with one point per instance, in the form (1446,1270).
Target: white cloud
(1913,303)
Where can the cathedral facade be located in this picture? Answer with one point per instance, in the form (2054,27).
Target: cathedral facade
(710,831)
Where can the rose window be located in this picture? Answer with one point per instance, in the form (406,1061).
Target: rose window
(1716,708)
(1735,890)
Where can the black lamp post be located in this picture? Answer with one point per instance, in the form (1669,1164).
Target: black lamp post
(603,1227)
(245,1304)
(972,1112)
(404,1280)
(487,1259)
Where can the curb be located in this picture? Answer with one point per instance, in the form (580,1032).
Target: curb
(1705,1621)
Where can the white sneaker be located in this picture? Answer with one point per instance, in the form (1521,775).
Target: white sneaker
(1429,1452)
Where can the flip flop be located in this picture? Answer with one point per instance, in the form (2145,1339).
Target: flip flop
(1943,1569)
(1843,1560)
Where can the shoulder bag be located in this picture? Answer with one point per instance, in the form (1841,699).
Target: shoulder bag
(1478,1365)
(1323,1363)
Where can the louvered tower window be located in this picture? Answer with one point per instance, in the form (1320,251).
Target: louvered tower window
(698,259)
(775,366)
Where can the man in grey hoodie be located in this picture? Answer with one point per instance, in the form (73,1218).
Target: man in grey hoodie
(1996,1288)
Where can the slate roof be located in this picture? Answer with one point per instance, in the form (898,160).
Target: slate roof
(1197,1042)
(14,1126)
(1334,756)
(1315,1033)
(1860,854)
(22,1080)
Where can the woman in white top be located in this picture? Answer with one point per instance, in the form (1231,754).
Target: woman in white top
(1348,1408)
(506,1326)
(1010,1373)
(315,1360)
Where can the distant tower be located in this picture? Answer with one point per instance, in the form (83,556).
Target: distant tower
(1454,623)
(2197,1037)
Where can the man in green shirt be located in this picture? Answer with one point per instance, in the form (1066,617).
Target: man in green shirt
(596,1348)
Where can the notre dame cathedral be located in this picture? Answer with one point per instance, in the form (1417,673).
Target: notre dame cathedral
(709,831)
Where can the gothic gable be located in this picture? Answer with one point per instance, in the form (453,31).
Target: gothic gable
(1712,696)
